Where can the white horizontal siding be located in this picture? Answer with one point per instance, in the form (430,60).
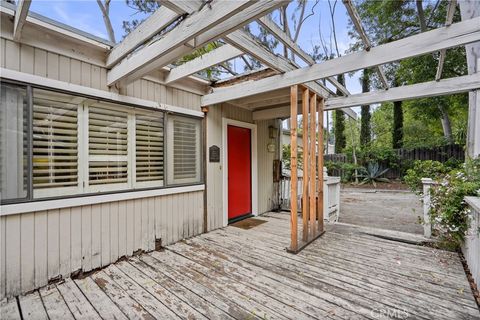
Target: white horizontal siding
(40,246)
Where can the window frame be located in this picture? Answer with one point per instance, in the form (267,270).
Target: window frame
(83,191)
(29,138)
(169,155)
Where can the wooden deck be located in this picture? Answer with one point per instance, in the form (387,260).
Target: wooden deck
(236,273)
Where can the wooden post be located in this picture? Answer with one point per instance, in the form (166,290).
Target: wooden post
(293,167)
(305,203)
(313,164)
(320,203)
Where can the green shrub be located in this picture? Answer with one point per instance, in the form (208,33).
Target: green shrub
(449,211)
(347,170)
(424,169)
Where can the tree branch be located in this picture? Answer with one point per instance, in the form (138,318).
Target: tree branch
(105,8)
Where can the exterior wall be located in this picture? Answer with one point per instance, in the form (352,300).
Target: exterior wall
(25,58)
(36,247)
(267,189)
(40,246)
(214,175)
(215,187)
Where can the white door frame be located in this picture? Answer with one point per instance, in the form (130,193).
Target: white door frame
(253,156)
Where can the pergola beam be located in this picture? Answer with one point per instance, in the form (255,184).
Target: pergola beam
(274,29)
(414,91)
(210,59)
(457,34)
(352,12)
(180,7)
(245,42)
(21,14)
(154,24)
(282,112)
(208,24)
(452,4)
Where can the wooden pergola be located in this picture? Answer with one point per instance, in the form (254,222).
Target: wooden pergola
(179,27)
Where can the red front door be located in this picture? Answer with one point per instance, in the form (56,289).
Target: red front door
(239,172)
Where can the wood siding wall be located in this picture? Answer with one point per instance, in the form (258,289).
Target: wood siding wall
(215,187)
(25,58)
(40,246)
(214,174)
(267,190)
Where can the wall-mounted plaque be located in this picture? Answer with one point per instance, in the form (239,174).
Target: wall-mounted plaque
(214,154)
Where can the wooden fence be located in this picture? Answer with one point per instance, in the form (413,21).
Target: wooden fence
(441,154)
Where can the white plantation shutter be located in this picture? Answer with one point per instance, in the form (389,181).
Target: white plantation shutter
(107,146)
(184,144)
(149,155)
(55,147)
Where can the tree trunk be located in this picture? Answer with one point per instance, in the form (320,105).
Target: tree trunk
(365,131)
(446,124)
(339,123)
(106,18)
(397,134)
(421,16)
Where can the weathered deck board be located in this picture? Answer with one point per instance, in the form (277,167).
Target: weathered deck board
(32,306)
(234,273)
(9,309)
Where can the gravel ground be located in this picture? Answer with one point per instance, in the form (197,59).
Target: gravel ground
(389,210)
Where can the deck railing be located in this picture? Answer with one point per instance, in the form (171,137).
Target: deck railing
(331,196)
(471,246)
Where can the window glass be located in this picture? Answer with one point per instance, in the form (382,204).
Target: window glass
(107,145)
(149,157)
(55,143)
(13,142)
(184,150)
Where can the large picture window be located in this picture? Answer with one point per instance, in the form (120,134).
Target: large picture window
(56,144)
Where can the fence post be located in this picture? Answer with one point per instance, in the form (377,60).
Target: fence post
(427,225)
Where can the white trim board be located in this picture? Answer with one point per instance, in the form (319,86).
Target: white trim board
(254,163)
(18,208)
(101,94)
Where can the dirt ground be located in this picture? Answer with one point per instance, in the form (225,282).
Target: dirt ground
(389,210)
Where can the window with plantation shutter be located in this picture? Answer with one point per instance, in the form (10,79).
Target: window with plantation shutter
(149,156)
(107,147)
(55,144)
(184,150)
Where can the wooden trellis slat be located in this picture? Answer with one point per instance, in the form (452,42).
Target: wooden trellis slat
(312,201)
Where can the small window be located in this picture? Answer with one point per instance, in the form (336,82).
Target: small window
(107,148)
(13,142)
(149,153)
(184,150)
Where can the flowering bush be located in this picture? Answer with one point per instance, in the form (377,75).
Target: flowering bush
(449,212)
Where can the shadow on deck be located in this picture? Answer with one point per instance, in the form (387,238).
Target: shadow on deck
(234,273)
